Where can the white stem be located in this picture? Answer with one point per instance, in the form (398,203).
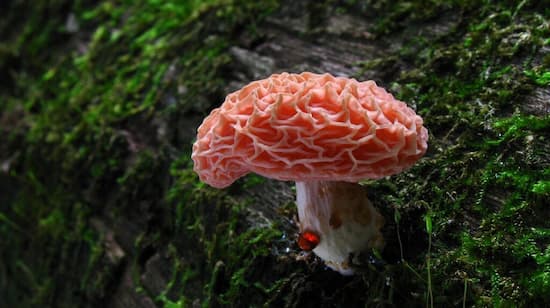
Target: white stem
(342,216)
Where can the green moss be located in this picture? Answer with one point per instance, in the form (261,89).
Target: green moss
(540,78)
(78,155)
(484,178)
(471,216)
(210,223)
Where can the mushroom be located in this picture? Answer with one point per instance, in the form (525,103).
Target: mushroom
(326,133)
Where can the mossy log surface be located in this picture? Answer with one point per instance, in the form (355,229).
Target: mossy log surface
(99,104)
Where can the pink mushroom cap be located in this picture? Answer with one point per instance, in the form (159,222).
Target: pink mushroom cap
(306,127)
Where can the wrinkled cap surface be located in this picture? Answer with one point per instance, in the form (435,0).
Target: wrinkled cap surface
(307,126)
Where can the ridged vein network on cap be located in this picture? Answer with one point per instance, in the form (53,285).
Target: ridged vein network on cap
(305,127)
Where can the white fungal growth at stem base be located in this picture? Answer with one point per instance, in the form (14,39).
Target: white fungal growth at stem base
(337,221)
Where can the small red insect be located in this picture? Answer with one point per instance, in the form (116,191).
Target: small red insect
(308,240)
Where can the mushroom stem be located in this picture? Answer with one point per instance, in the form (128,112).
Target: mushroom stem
(337,221)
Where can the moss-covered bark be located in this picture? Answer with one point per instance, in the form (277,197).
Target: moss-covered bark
(99,104)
